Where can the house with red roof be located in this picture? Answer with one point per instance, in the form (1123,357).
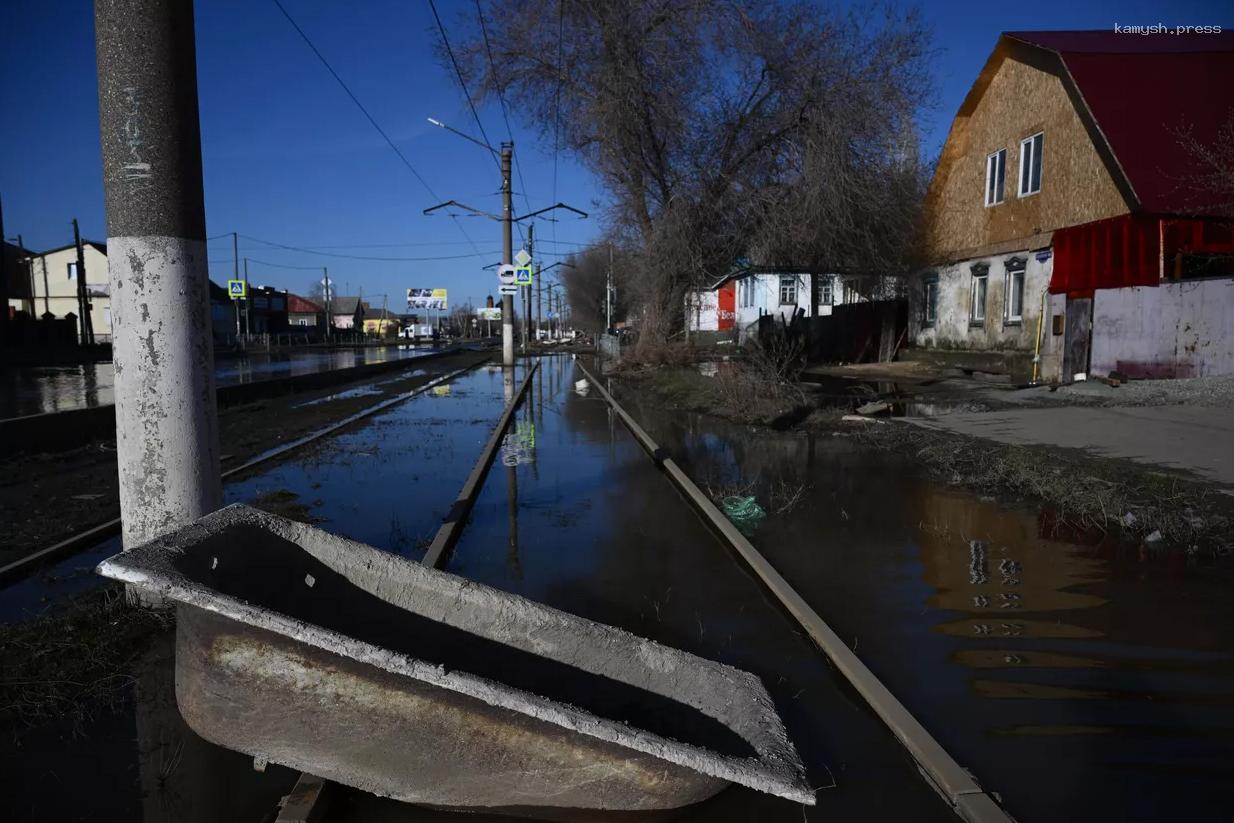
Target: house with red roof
(1079,220)
(302,313)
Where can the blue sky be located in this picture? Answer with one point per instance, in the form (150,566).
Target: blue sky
(288,158)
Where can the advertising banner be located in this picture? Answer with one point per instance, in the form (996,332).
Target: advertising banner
(427,299)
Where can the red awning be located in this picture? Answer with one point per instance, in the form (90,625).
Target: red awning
(1126,251)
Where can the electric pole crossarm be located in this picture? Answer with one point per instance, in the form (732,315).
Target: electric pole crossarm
(579,212)
(464,207)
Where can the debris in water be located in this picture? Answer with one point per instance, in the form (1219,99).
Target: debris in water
(745,512)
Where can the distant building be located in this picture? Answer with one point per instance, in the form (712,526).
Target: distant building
(18,288)
(302,312)
(55,278)
(1066,217)
(736,302)
(347,312)
(267,307)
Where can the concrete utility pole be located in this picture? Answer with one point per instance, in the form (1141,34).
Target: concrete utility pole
(608,293)
(83,294)
(4,283)
(325,284)
(166,423)
(526,290)
(248,307)
(507,255)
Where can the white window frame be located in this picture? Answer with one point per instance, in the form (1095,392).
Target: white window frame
(1014,270)
(929,298)
(826,292)
(790,284)
(980,283)
(1031,149)
(995,177)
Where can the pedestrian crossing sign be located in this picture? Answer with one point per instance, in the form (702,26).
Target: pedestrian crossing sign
(522,276)
(237,289)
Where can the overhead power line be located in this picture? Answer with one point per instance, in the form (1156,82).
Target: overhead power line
(501,98)
(307,250)
(366,113)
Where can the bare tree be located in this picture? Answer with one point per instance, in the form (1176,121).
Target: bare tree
(712,124)
(1209,187)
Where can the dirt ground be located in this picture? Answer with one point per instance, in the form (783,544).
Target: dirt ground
(46,498)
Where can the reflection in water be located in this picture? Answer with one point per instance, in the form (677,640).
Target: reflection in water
(1048,661)
(41,389)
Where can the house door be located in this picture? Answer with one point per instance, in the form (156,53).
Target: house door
(726,308)
(1077,337)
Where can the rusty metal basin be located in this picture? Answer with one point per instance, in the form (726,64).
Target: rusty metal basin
(332,657)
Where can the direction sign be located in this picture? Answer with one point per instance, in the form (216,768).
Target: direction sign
(237,289)
(522,258)
(522,276)
(508,288)
(505,274)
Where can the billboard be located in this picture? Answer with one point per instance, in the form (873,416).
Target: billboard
(426,299)
(489,314)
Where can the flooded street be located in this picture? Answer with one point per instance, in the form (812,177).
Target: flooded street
(27,390)
(1073,674)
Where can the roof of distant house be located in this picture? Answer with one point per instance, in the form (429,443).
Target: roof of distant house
(299,305)
(1139,94)
(345,305)
(100,246)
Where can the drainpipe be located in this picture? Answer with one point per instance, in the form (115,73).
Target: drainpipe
(166,423)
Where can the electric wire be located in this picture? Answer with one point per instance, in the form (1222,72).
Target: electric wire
(366,113)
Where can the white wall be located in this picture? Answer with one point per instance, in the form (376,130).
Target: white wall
(953,329)
(58,294)
(703,310)
(765,298)
(1182,329)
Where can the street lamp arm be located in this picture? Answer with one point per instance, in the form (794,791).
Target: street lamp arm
(479,143)
(581,214)
(462,206)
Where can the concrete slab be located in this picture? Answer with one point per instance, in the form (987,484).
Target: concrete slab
(1198,440)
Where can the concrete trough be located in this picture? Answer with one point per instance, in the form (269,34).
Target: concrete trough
(302,648)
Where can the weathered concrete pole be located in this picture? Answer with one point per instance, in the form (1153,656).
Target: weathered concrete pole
(166,423)
(507,256)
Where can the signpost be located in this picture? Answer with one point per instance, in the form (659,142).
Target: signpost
(237,289)
(523,276)
(522,258)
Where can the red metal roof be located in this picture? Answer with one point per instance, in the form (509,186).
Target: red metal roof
(1141,91)
(298,305)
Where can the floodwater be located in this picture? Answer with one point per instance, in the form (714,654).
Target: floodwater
(1079,677)
(583,520)
(27,390)
(387,482)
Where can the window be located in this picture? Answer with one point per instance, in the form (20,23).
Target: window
(929,300)
(788,290)
(976,314)
(73,270)
(1014,302)
(1030,164)
(995,177)
(826,291)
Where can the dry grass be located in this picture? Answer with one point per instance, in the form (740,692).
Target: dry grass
(76,660)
